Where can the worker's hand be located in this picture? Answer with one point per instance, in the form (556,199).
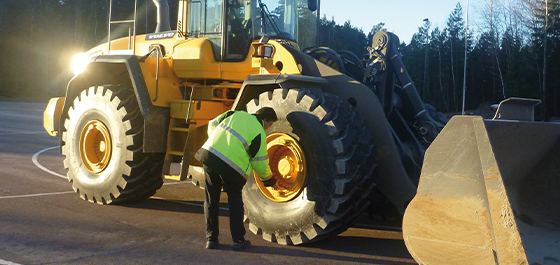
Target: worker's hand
(275,187)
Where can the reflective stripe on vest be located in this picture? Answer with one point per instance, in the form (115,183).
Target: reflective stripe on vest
(229,139)
(227,161)
(236,134)
(215,123)
(259,158)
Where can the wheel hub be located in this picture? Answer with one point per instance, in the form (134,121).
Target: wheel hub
(287,164)
(95,146)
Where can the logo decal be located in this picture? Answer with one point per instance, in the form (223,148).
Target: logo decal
(161,35)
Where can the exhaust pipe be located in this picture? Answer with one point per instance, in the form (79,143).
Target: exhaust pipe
(163,23)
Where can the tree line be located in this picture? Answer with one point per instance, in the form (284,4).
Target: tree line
(505,56)
(40,38)
(505,49)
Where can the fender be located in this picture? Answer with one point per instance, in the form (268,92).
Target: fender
(124,70)
(254,85)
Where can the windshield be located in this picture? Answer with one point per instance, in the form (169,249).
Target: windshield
(286,19)
(232,27)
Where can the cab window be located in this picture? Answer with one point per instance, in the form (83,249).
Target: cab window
(238,30)
(205,20)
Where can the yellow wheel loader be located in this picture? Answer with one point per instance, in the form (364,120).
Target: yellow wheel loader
(348,134)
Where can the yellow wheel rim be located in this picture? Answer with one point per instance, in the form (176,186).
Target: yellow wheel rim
(95,146)
(287,164)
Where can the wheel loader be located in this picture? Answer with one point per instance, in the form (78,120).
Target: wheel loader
(349,133)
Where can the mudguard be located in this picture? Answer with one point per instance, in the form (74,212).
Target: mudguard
(124,70)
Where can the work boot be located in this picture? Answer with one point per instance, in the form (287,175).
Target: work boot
(241,245)
(212,244)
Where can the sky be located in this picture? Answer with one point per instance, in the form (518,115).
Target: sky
(402,17)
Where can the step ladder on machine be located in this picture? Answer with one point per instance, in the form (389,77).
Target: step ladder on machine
(131,31)
(181,116)
(178,145)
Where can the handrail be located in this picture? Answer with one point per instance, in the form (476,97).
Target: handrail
(143,59)
(122,22)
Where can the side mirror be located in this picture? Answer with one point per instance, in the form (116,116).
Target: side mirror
(312,5)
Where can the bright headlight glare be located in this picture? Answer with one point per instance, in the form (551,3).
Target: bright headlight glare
(79,63)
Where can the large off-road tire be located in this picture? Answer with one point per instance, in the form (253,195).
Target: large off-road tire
(320,154)
(327,56)
(353,65)
(103,144)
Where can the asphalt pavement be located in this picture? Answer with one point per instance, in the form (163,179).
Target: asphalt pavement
(43,221)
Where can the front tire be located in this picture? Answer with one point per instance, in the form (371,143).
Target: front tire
(320,154)
(103,144)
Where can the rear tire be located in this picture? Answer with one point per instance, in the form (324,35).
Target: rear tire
(327,56)
(353,65)
(338,167)
(103,144)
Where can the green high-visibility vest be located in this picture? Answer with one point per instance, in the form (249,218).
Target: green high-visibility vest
(229,138)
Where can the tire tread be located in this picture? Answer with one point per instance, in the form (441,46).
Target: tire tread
(143,178)
(353,162)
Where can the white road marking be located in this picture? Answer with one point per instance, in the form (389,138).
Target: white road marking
(30,116)
(35,195)
(18,133)
(68,192)
(5,262)
(174,183)
(34,159)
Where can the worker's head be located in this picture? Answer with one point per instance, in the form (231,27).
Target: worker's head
(268,115)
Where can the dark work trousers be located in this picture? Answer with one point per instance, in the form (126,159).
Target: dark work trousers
(233,184)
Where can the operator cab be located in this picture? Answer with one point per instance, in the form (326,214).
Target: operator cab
(231,25)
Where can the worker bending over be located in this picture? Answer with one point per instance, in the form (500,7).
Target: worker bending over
(235,147)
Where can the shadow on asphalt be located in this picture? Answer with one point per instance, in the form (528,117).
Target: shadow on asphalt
(350,253)
(356,249)
(170,205)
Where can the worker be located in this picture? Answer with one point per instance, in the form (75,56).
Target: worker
(235,147)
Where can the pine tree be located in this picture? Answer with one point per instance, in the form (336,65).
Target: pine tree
(455,29)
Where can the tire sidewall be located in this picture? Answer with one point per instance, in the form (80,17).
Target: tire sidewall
(305,209)
(102,108)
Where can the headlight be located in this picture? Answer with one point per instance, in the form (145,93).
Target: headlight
(79,63)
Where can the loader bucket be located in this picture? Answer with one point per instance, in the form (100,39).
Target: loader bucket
(489,193)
